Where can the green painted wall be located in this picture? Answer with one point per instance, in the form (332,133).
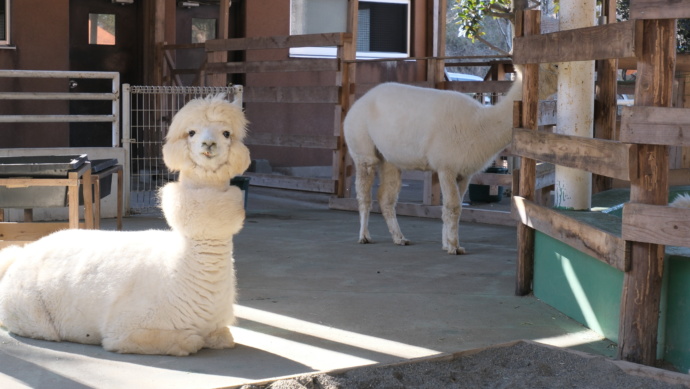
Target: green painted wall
(578,285)
(677,334)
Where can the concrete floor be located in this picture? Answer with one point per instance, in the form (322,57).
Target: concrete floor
(312,299)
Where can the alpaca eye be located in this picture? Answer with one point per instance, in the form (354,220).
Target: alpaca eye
(191,133)
(226,134)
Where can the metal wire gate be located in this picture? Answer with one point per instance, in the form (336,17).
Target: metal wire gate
(146,115)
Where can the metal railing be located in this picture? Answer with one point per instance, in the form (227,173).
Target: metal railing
(113,96)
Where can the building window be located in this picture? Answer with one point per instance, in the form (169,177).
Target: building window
(101,29)
(383,26)
(4,22)
(203,30)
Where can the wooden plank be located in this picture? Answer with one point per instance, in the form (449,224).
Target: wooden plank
(526,115)
(641,297)
(595,242)
(492,179)
(56,96)
(301,94)
(581,44)
(278,42)
(469,214)
(659,9)
(56,118)
(288,140)
(600,156)
(291,65)
(655,125)
(321,185)
(658,224)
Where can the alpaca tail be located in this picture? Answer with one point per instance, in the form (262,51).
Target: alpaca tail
(681,201)
(7,258)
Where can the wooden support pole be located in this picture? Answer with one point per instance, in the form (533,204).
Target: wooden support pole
(637,339)
(605,108)
(530,102)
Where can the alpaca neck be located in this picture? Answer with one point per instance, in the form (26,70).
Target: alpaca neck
(192,180)
(496,123)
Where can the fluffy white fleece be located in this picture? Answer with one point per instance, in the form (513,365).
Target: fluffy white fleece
(681,201)
(149,292)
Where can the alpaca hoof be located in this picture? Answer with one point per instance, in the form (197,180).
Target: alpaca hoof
(365,240)
(402,242)
(456,250)
(220,339)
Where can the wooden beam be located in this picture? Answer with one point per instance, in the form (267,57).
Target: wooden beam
(278,42)
(320,185)
(581,44)
(656,224)
(287,94)
(288,140)
(656,125)
(525,115)
(604,157)
(586,238)
(478,86)
(292,65)
(659,9)
(641,297)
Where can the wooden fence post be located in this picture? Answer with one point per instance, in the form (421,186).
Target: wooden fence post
(531,25)
(640,301)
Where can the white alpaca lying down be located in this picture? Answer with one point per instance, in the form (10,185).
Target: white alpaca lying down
(148,292)
(166,292)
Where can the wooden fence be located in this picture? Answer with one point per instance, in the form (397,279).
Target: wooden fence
(640,156)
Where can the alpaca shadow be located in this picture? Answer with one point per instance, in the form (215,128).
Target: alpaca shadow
(40,363)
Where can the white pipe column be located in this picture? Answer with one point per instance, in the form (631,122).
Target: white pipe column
(575,115)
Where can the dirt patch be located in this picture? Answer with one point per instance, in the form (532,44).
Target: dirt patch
(516,365)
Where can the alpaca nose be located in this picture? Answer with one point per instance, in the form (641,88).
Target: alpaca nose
(208,144)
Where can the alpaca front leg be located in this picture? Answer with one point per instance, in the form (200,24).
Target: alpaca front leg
(219,339)
(363,182)
(151,341)
(450,213)
(391,181)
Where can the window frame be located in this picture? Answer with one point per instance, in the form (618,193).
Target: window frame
(6,41)
(330,52)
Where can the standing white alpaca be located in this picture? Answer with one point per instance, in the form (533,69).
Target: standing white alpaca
(147,292)
(397,127)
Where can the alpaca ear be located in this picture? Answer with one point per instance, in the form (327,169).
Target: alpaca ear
(239,159)
(175,155)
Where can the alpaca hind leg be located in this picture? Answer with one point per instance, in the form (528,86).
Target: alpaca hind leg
(364,180)
(220,338)
(389,187)
(151,341)
(452,206)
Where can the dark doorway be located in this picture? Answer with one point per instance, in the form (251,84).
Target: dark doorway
(104,36)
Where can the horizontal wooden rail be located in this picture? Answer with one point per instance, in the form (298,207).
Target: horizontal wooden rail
(287,140)
(320,185)
(656,224)
(659,9)
(291,65)
(655,125)
(278,42)
(582,44)
(602,245)
(298,94)
(604,157)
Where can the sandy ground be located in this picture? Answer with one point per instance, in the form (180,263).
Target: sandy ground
(517,365)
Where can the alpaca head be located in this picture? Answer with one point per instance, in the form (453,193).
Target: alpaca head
(204,141)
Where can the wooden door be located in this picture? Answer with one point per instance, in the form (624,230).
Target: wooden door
(104,36)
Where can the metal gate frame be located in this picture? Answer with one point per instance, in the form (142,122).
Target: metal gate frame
(146,115)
